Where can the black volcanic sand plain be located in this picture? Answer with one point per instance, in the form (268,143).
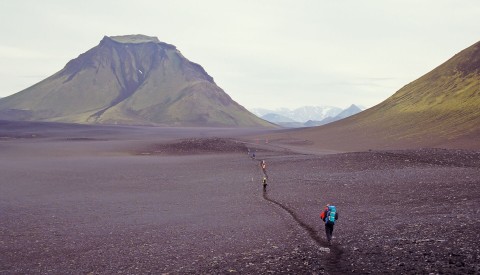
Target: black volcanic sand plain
(78,199)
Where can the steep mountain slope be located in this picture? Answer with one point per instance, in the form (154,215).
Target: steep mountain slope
(440,109)
(133,79)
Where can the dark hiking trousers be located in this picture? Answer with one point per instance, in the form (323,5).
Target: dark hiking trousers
(329,230)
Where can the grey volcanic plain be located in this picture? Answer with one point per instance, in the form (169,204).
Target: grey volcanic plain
(122,199)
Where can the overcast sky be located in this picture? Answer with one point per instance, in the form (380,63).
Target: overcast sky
(263,53)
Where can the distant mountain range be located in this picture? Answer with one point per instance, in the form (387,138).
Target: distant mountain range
(350,111)
(132,79)
(440,109)
(301,114)
(306,116)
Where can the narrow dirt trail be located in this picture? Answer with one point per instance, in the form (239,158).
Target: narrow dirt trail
(335,253)
(333,264)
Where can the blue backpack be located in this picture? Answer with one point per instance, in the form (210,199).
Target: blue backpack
(332,211)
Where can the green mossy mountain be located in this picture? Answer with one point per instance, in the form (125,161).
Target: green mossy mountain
(132,79)
(440,109)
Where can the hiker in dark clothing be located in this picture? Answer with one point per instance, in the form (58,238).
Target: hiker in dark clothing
(264,182)
(329,216)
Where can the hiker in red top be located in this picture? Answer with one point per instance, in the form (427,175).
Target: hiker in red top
(263,165)
(329,216)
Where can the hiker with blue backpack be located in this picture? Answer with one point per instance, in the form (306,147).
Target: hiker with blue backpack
(329,216)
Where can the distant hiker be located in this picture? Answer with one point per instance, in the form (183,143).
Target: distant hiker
(264,182)
(253,155)
(329,216)
(263,165)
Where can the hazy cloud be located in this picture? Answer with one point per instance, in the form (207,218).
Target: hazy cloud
(268,53)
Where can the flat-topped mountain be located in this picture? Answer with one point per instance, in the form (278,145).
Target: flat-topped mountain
(132,79)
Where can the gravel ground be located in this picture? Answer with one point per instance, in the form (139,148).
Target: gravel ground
(93,205)
(400,212)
